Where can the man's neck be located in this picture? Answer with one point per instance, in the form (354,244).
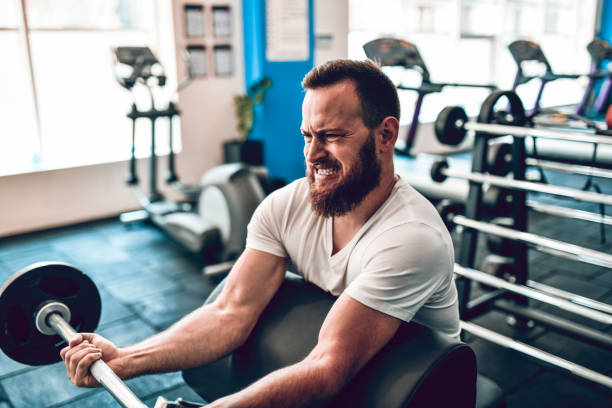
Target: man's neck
(346,226)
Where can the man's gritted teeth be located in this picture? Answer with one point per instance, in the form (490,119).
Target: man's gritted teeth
(327,171)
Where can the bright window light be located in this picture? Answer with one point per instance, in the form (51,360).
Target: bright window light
(81,106)
(466,41)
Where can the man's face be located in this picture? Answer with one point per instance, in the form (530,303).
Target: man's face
(342,165)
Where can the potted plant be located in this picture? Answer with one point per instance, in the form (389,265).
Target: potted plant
(242,149)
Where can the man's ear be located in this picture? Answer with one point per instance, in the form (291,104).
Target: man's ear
(388,129)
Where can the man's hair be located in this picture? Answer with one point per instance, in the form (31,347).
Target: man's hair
(377,94)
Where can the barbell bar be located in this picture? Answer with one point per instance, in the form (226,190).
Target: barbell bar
(538,242)
(499,283)
(440,171)
(571,297)
(452,125)
(536,353)
(502,266)
(99,369)
(569,168)
(569,212)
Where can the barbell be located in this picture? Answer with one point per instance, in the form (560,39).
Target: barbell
(40,305)
(538,242)
(503,267)
(440,171)
(589,171)
(452,125)
(532,293)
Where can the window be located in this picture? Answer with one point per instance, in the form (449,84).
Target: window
(466,41)
(80,106)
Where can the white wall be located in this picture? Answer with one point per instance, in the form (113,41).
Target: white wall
(331,30)
(41,200)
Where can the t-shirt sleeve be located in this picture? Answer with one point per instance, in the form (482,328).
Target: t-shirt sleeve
(264,229)
(401,269)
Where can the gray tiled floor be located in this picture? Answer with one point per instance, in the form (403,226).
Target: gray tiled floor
(147,282)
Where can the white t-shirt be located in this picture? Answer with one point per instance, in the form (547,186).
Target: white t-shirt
(400,262)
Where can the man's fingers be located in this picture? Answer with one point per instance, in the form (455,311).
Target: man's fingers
(76,354)
(82,337)
(76,340)
(63,352)
(72,350)
(82,369)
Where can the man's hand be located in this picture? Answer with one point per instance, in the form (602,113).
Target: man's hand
(83,351)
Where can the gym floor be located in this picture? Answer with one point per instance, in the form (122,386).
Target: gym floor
(147,282)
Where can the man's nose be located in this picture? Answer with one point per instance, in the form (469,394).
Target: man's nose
(314,150)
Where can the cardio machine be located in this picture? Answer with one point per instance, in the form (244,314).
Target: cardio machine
(212,219)
(402,53)
(529,52)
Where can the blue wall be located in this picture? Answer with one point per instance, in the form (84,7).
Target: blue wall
(278,118)
(606,21)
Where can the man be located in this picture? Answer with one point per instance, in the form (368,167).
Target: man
(352,227)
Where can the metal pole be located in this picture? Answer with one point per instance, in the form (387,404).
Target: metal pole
(99,369)
(27,46)
(498,181)
(491,280)
(542,244)
(556,361)
(570,168)
(519,131)
(571,297)
(569,213)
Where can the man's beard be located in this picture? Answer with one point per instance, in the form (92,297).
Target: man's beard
(361,180)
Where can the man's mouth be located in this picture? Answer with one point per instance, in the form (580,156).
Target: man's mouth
(327,171)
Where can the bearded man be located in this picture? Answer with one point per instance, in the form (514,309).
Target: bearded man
(351,226)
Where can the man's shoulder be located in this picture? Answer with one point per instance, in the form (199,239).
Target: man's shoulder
(407,206)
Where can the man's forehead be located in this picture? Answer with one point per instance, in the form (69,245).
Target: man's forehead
(332,103)
(345,87)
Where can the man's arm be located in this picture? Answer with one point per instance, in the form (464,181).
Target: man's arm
(202,336)
(351,335)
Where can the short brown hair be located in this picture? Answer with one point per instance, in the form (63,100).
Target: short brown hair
(377,94)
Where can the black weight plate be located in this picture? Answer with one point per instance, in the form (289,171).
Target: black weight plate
(25,292)
(512,115)
(499,160)
(446,129)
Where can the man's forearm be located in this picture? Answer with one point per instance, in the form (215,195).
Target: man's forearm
(202,336)
(300,385)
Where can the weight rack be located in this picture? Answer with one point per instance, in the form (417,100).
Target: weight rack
(512,297)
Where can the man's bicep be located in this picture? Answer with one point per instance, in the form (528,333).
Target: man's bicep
(253,280)
(352,334)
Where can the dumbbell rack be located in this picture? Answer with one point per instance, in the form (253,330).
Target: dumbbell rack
(513,303)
